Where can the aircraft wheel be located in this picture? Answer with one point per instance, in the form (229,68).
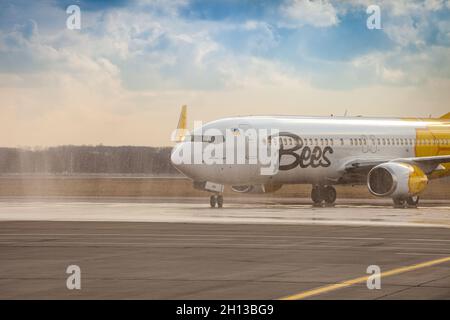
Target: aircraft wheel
(213,200)
(412,201)
(219,201)
(329,195)
(399,203)
(316,195)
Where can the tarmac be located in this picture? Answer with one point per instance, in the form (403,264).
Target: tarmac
(176,249)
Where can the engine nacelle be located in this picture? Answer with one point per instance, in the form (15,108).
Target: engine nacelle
(260,188)
(396,180)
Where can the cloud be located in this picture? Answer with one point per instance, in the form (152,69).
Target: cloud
(157,50)
(317,13)
(122,77)
(434,5)
(410,22)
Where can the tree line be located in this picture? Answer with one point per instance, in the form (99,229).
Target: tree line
(87,159)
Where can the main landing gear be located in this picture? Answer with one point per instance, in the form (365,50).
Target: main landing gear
(216,200)
(410,202)
(321,195)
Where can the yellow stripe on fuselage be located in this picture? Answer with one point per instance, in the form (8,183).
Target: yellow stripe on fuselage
(433,140)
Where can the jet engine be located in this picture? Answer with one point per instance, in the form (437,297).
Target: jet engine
(396,180)
(260,188)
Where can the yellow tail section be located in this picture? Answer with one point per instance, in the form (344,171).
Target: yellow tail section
(182,125)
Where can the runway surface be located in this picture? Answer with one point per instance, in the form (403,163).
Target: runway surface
(236,211)
(173,250)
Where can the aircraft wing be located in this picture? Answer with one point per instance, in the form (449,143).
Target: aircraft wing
(363,165)
(427,164)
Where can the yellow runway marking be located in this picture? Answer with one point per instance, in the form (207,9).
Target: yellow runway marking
(348,283)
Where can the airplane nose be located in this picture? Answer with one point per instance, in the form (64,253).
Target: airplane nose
(182,159)
(176,158)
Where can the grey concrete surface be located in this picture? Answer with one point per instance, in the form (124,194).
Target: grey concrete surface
(149,260)
(245,211)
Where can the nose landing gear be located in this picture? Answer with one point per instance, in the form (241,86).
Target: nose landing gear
(216,199)
(321,195)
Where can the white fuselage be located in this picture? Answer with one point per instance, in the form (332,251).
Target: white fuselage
(327,145)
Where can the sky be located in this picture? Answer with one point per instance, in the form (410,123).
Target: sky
(122,77)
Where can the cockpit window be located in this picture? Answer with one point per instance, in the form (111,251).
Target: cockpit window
(209,139)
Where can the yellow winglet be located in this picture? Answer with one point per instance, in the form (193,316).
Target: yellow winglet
(445,116)
(182,127)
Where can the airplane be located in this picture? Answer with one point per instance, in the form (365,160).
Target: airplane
(394,157)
